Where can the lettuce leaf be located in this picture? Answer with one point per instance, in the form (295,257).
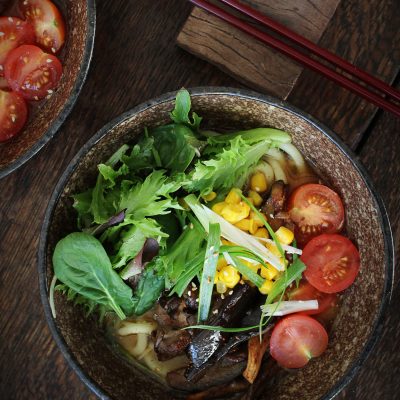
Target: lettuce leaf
(180,114)
(227,169)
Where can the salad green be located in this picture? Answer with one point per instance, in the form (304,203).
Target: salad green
(138,195)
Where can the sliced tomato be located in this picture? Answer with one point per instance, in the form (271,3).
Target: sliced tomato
(31,72)
(305,291)
(315,209)
(332,262)
(13,33)
(296,339)
(47,21)
(13,114)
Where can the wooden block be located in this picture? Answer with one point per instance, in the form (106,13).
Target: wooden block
(247,59)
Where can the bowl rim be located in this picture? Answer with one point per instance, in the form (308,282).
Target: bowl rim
(250,95)
(69,104)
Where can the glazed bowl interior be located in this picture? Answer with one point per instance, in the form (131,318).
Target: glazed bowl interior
(48,116)
(357,323)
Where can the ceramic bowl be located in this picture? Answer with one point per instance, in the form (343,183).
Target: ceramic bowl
(358,323)
(80,19)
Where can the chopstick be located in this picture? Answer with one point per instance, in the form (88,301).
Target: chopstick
(305,59)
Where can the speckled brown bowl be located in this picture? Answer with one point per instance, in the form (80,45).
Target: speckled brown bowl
(80,17)
(358,324)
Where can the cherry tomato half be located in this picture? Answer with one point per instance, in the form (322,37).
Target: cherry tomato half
(31,72)
(13,33)
(332,262)
(305,291)
(315,209)
(13,114)
(296,339)
(47,21)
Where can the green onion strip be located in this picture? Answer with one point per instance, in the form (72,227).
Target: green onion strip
(209,269)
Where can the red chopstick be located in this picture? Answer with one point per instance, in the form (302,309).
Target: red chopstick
(304,58)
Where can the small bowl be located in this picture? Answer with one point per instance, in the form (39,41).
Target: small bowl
(80,18)
(359,321)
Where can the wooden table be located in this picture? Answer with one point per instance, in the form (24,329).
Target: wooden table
(135,59)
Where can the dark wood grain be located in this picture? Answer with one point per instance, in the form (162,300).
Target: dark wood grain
(135,59)
(367,34)
(247,59)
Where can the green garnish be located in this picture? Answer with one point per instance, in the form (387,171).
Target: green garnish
(209,269)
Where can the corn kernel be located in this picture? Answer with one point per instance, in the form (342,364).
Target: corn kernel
(257,199)
(244,224)
(229,276)
(262,233)
(217,207)
(221,263)
(257,219)
(210,196)
(221,287)
(258,182)
(269,273)
(266,287)
(233,196)
(273,249)
(284,235)
(252,226)
(234,213)
(250,200)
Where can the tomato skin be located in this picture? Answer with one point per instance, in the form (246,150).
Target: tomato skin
(13,114)
(296,339)
(47,21)
(315,209)
(332,263)
(305,291)
(14,33)
(31,72)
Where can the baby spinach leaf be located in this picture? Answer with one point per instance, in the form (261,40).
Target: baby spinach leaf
(150,286)
(180,114)
(81,263)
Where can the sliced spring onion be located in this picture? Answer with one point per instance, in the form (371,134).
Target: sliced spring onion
(209,269)
(243,253)
(51,296)
(188,275)
(293,272)
(288,307)
(252,276)
(230,232)
(285,247)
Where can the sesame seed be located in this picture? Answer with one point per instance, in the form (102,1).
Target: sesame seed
(222,296)
(191,226)
(13,117)
(48,96)
(1,67)
(189,293)
(49,60)
(194,285)
(2,33)
(49,91)
(53,49)
(25,2)
(215,312)
(10,19)
(36,98)
(197,300)
(230,293)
